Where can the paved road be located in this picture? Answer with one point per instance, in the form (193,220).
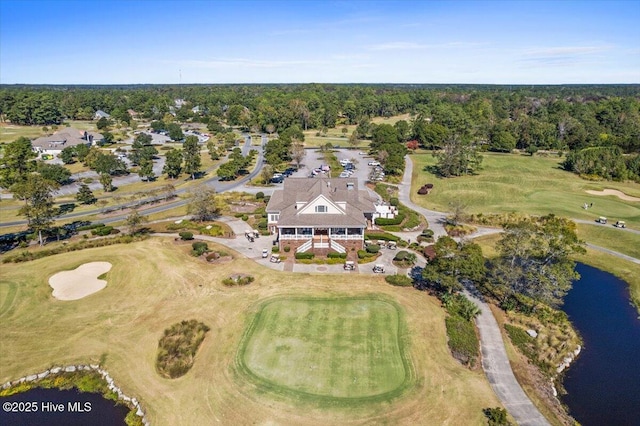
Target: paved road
(212,181)
(494,356)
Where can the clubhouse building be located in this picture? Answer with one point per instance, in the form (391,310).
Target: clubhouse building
(320,215)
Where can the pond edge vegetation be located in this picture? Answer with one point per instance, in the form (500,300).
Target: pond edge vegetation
(85,378)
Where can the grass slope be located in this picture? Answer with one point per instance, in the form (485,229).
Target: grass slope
(534,185)
(334,349)
(154,284)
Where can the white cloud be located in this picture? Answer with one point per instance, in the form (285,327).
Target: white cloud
(244,63)
(562,55)
(408,45)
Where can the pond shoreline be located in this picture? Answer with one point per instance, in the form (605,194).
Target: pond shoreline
(26,383)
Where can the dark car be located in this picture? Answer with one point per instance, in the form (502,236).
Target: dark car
(278,179)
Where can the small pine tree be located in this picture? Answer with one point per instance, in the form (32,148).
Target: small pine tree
(85,195)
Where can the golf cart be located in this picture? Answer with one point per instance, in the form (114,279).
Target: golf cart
(378,269)
(620,224)
(265,253)
(349,265)
(392,245)
(275,258)
(602,220)
(249,235)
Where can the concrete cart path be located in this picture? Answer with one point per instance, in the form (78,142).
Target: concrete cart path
(494,356)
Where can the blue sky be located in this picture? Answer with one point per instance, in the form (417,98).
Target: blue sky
(499,42)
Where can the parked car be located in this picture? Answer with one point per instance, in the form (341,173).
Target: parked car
(349,265)
(373,163)
(279,179)
(265,253)
(378,269)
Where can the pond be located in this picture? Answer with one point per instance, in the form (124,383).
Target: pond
(603,384)
(55,407)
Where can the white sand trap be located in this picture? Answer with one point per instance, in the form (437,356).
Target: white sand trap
(79,283)
(615,192)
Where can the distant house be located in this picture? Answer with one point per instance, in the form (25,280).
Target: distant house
(54,144)
(101,114)
(179,103)
(320,215)
(132,113)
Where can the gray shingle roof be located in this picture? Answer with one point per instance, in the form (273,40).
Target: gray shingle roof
(64,138)
(306,190)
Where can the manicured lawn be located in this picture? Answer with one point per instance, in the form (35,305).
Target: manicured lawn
(338,348)
(534,185)
(11,132)
(612,238)
(156,283)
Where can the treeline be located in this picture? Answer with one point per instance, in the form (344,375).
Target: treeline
(502,117)
(606,162)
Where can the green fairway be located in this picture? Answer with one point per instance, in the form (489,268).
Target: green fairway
(337,348)
(516,183)
(613,238)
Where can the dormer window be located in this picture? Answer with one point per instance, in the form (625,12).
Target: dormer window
(321,209)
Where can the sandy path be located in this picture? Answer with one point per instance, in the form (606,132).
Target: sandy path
(615,192)
(79,283)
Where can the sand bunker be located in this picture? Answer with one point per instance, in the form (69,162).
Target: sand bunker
(615,192)
(79,283)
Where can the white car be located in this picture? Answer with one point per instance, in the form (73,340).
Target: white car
(373,163)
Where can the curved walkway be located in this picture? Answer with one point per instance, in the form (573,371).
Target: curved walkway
(494,356)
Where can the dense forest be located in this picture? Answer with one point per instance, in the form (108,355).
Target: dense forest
(498,118)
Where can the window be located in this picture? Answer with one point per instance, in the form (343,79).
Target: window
(321,209)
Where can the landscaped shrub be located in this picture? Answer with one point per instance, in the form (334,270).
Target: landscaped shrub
(262,224)
(304,255)
(496,416)
(394,201)
(380,236)
(238,280)
(275,249)
(178,346)
(463,341)
(427,233)
(245,217)
(522,341)
(199,248)
(102,231)
(259,195)
(401,256)
(459,305)
(287,249)
(89,227)
(373,248)
(399,280)
(395,221)
(186,235)
(336,255)
(362,254)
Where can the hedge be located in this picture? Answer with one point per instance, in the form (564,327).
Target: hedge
(363,254)
(304,255)
(104,230)
(381,236)
(335,255)
(186,235)
(395,221)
